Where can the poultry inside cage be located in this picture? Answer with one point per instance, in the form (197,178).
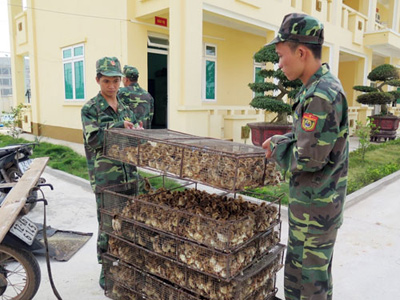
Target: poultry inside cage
(218,163)
(217,221)
(124,281)
(196,256)
(244,286)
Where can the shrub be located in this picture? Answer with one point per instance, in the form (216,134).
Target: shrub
(267,100)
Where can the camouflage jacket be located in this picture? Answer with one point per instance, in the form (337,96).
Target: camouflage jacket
(97,116)
(316,153)
(140,102)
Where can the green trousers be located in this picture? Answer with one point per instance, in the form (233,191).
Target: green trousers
(102,238)
(308,265)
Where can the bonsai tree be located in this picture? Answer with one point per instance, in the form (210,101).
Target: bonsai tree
(383,75)
(267,101)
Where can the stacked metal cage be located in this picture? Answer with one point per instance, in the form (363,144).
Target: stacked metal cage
(199,257)
(195,215)
(218,163)
(259,276)
(185,243)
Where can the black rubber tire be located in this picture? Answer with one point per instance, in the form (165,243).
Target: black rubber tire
(23,284)
(14,174)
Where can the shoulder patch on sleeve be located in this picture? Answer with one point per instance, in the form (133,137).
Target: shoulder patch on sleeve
(309,122)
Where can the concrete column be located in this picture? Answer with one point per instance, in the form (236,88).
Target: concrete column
(334,59)
(371,15)
(34,71)
(185,65)
(396,14)
(17,63)
(337,10)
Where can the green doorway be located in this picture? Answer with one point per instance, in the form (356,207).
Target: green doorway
(158,87)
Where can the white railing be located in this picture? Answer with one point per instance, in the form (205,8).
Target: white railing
(379,26)
(347,12)
(226,121)
(322,9)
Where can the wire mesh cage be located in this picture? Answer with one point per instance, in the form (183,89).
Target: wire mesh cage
(208,260)
(218,163)
(124,281)
(239,288)
(217,221)
(118,291)
(118,285)
(266,292)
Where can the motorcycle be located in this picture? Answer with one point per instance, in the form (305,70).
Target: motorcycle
(14,161)
(19,270)
(20,273)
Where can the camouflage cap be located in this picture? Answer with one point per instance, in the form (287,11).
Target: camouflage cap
(109,66)
(130,71)
(300,28)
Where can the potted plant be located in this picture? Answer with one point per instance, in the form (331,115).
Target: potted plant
(385,122)
(270,95)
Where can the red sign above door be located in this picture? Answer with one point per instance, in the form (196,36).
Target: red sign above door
(161,21)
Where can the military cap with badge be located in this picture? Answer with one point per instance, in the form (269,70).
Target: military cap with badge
(109,66)
(300,28)
(130,71)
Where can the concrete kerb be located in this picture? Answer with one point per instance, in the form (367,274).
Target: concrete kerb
(374,187)
(360,194)
(351,199)
(75,180)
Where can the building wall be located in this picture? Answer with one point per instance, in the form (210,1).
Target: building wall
(235,62)
(237,27)
(100,37)
(346,75)
(5,85)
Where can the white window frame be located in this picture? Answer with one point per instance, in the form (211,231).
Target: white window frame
(153,44)
(212,58)
(72,60)
(255,66)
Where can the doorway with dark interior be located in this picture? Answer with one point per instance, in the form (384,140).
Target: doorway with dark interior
(158,86)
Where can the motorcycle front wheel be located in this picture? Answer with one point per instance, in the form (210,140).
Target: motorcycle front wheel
(19,274)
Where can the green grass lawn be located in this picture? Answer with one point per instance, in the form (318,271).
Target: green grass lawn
(380,161)
(61,157)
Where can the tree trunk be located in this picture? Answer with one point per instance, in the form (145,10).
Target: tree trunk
(282,118)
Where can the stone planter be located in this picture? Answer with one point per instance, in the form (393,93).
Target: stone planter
(260,131)
(386,128)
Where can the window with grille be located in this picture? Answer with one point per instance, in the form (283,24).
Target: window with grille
(74,72)
(210,73)
(257,77)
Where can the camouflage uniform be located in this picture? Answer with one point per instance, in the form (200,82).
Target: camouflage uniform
(137,99)
(316,154)
(97,116)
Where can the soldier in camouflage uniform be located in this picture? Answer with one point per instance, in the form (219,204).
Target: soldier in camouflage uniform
(136,98)
(100,113)
(316,155)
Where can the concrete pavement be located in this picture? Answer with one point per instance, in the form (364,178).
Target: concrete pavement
(366,261)
(367,251)
(71,206)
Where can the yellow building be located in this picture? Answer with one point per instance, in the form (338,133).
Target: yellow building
(194,56)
